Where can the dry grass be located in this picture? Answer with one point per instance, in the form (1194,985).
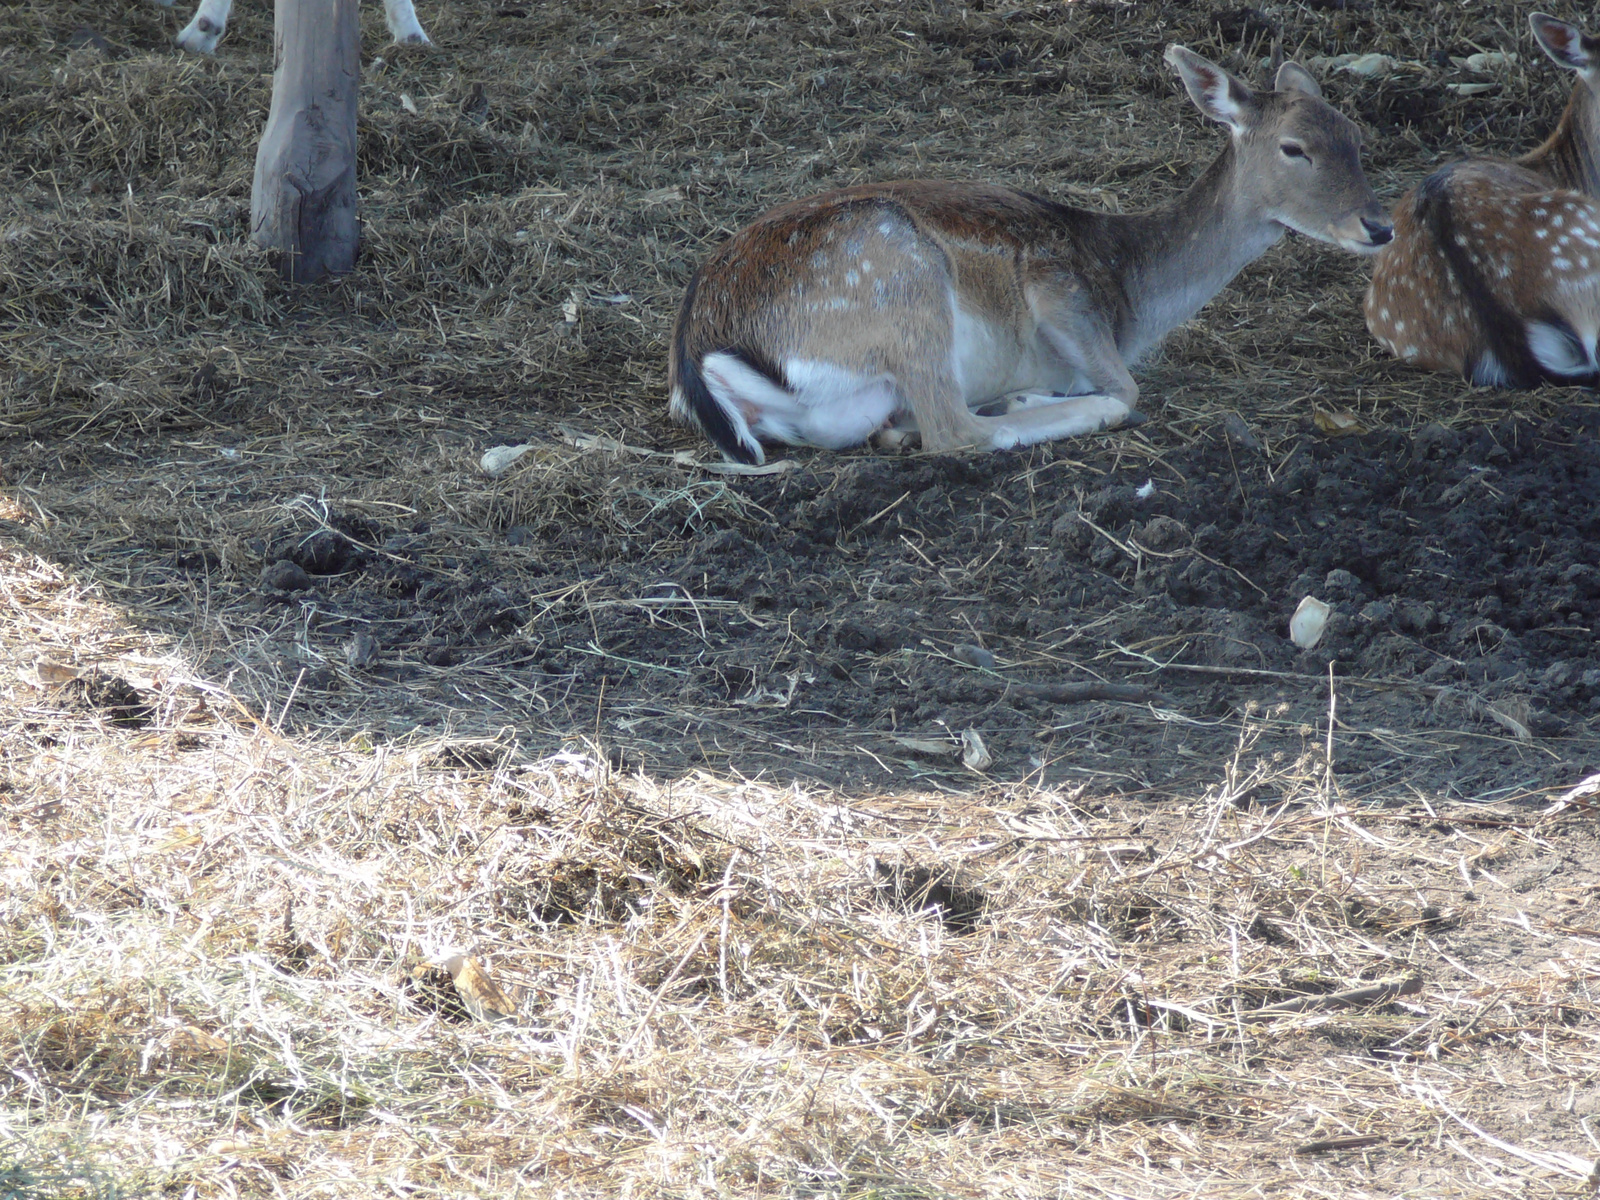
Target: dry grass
(215,937)
(229,846)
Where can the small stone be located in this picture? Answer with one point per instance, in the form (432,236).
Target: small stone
(1558,674)
(1378,612)
(85,38)
(1233,424)
(1342,585)
(1164,534)
(1417,617)
(973,656)
(361,650)
(285,576)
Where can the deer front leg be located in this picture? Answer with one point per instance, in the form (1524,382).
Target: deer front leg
(1084,346)
(401,17)
(201,35)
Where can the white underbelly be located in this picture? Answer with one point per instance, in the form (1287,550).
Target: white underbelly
(992,361)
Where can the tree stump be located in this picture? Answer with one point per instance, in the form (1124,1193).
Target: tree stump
(303,201)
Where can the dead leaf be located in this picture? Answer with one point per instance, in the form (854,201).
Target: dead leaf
(46,673)
(975,755)
(774,697)
(928,746)
(1486,62)
(480,993)
(1516,728)
(1337,424)
(186,1039)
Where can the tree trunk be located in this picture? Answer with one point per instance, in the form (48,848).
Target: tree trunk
(303,202)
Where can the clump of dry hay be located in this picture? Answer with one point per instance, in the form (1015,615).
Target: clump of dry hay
(216,937)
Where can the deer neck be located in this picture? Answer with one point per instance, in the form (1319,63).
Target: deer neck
(1571,155)
(1180,256)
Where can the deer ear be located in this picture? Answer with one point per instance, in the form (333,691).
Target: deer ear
(1294,77)
(1214,92)
(1562,42)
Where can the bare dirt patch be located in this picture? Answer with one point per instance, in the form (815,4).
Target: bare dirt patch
(297,699)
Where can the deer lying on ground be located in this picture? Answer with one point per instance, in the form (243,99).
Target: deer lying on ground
(912,306)
(1494,272)
(202,34)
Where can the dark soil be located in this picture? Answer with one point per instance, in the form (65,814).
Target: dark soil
(1459,564)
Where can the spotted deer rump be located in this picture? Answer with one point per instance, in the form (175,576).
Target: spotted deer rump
(1494,275)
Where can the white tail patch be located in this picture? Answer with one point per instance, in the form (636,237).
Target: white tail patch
(921,304)
(1559,352)
(824,405)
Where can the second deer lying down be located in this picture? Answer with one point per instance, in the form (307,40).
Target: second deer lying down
(1495,268)
(912,306)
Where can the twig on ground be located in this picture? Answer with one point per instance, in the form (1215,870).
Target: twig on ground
(1377,994)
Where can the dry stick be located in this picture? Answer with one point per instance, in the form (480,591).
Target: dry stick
(1341,1143)
(1327,764)
(1073,693)
(1432,690)
(1377,994)
(683,458)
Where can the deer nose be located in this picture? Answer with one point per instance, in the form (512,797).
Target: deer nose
(1381,232)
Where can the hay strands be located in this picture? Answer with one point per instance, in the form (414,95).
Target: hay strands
(1379,993)
(592,441)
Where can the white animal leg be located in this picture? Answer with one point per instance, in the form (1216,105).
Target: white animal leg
(403,23)
(1088,349)
(1072,417)
(1017,401)
(201,35)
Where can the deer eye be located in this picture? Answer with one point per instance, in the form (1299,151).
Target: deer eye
(1293,150)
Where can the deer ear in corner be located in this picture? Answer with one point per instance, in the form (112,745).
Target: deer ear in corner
(1292,77)
(1216,93)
